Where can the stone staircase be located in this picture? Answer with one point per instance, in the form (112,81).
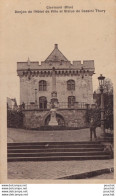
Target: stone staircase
(57,151)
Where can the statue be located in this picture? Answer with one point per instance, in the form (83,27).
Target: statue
(53,121)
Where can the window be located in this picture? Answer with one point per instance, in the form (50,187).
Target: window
(71,101)
(42,85)
(42,102)
(71,85)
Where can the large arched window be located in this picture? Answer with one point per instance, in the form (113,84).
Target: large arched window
(70,85)
(42,102)
(71,101)
(42,85)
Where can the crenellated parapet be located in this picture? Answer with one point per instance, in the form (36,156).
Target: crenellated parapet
(86,65)
(75,69)
(56,59)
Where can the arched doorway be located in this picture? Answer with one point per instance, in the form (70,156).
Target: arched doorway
(59,118)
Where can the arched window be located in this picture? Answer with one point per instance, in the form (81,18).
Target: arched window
(70,85)
(71,101)
(42,85)
(42,102)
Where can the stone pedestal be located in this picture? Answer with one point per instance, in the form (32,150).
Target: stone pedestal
(53,121)
(54,100)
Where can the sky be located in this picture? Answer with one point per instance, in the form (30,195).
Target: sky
(80,36)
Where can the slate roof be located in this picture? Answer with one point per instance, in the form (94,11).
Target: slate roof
(56,55)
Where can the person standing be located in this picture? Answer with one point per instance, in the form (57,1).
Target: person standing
(92,129)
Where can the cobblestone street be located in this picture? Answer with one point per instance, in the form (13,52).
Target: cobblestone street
(53,169)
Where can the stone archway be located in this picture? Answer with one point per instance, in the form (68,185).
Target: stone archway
(59,118)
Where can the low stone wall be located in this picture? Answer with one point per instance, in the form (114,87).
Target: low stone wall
(72,118)
(34,119)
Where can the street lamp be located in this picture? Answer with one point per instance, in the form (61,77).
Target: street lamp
(101,85)
(35,96)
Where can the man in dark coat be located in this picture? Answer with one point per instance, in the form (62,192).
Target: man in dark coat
(92,129)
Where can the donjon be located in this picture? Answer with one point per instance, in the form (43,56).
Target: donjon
(55,85)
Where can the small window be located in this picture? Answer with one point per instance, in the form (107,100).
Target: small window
(71,101)
(42,85)
(70,85)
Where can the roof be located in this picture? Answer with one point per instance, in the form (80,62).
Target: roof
(56,55)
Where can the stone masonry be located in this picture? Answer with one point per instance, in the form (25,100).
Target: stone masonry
(72,118)
(32,73)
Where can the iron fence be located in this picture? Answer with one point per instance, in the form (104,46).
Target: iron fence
(60,105)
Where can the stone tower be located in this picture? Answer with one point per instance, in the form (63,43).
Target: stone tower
(70,83)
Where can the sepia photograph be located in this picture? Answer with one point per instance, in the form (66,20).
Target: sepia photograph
(59,72)
(60,120)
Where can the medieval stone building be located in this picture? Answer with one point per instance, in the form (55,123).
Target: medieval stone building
(56,78)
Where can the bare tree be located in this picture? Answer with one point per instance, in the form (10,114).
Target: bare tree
(108,87)
(108,103)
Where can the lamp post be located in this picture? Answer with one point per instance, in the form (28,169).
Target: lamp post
(101,85)
(35,96)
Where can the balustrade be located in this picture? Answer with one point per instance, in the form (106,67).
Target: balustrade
(61,105)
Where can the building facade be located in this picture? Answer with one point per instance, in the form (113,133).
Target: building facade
(12,104)
(58,78)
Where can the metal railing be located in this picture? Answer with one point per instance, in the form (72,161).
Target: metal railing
(60,105)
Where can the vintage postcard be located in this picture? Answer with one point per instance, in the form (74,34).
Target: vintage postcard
(57,82)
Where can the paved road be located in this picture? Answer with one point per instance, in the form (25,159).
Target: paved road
(54,169)
(22,135)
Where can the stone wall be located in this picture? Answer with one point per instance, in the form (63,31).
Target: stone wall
(83,89)
(72,118)
(34,119)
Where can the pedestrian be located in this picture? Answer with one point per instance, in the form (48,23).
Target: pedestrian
(92,129)
(23,105)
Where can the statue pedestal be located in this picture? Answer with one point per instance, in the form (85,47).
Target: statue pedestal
(53,121)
